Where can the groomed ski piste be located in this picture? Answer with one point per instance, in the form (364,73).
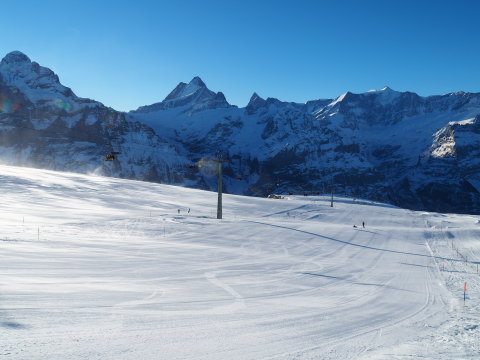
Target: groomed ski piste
(102,268)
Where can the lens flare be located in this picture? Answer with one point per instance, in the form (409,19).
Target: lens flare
(7,105)
(63,105)
(208,167)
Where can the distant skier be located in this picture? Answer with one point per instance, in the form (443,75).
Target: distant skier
(179,211)
(188,211)
(355,226)
(363,224)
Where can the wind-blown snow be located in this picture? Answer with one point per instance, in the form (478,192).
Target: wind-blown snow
(104,268)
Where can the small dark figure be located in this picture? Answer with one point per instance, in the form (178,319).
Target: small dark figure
(363,224)
(189,211)
(179,211)
(355,226)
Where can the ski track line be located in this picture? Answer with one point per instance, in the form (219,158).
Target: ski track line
(240,301)
(368,270)
(335,343)
(237,305)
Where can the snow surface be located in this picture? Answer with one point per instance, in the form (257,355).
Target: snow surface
(103,268)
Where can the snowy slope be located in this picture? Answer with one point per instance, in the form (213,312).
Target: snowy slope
(96,267)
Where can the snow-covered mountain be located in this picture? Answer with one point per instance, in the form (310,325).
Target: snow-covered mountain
(412,151)
(44,124)
(416,152)
(195,95)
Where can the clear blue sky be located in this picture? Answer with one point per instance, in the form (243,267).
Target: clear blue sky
(132,53)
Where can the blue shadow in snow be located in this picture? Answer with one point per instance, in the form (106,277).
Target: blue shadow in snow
(425,266)
(353,244)
(355,282)
(324,276)
(12,325)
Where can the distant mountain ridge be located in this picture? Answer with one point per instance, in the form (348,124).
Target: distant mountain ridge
(413,151)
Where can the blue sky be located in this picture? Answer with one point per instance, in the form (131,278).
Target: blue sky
(132,53)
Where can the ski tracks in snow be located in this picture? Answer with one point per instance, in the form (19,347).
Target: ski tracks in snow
(301,283)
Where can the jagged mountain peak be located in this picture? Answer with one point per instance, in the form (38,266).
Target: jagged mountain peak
(175,93)
(255,103)
(254,98)
(183,89)
(197,82)
(220,96)
(15,57)
(191,97)
(195,85)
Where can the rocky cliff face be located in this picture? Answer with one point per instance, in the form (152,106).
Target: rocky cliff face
(44,124)
(412,151)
